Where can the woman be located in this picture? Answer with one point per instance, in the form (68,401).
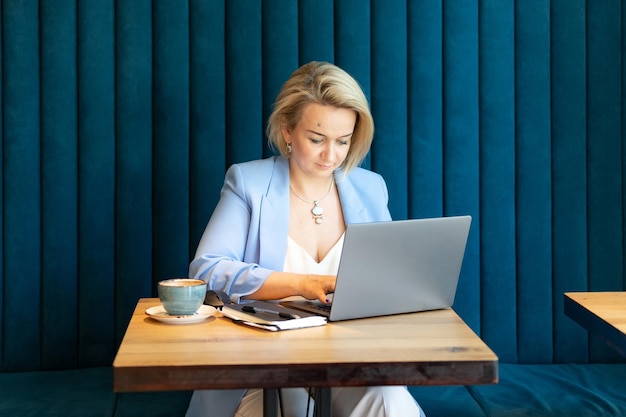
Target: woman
(277,231)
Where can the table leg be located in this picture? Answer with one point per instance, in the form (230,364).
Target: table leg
(270,402)
(323,406)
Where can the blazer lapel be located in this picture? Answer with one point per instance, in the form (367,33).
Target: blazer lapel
(274,221)
(354,211)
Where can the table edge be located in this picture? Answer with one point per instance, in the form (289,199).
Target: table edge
(175,378)
(593,323)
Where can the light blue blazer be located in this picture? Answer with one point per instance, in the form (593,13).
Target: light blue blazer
(246,237)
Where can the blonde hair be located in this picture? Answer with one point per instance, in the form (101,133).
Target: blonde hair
(328,85)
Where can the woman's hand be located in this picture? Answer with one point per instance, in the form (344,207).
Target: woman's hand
(284,284)
(318,287)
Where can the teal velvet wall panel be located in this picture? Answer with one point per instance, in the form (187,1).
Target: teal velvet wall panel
(352,40)
(280,52)
(243,80)
(533,202)
(569,170)
(425,107)
(134,184)
(389,99)
(1,210)
(604,180)
(21,188)
(119,119)
(207,95)
(59,179)
(170,139)
(460,138)
(353,48)
(497,174)
(316,30)
(96,181)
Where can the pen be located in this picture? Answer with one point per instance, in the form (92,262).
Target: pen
(250,309)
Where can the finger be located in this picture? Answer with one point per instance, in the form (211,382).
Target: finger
(324,299)
(323,296)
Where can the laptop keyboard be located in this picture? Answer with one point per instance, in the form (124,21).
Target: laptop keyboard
(321,307)
(314,307)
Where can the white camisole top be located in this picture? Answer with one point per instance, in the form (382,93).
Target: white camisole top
(299,261)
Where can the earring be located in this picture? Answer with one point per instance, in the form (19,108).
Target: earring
(289,148)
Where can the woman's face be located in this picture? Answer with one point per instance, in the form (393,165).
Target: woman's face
(321,140)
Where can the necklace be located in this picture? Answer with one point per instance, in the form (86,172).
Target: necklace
(317,211)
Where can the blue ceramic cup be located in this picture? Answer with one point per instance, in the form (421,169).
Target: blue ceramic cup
(181,296)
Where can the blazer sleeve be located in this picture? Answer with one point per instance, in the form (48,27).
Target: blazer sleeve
(219,258)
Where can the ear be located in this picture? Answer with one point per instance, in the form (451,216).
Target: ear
(286,134)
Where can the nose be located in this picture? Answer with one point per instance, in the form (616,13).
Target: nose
(328,151)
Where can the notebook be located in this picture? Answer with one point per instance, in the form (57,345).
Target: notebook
(395,267)
(269,316)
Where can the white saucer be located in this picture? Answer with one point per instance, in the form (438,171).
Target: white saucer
(159,313)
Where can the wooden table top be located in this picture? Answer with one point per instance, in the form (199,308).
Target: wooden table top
(601,313)
(429,348)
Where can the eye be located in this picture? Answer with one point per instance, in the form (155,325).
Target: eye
(316,141)
(344,140)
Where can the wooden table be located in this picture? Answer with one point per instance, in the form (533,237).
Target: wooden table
(430,348)
(601,313)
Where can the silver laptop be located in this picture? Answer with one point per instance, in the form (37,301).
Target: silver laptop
(396,267)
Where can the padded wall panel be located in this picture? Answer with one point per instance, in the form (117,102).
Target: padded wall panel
(170,165)
(244,127)
(2,141)
(133,163)
(353,40)
(21,258)
(569,171)
(425,107)
(316,30)
(497,177)
(623,116)
(280,52)
(59,179)
(533,199)
(461,142)
(604,182)
(623,153)
(389,100)
(207,119)
(353,45)
(96,181)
